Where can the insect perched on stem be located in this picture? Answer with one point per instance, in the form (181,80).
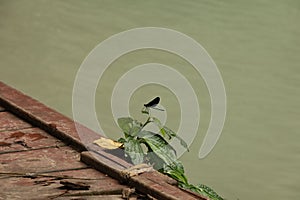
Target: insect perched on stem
(154,149)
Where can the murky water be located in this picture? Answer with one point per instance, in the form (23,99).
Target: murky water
(255,44)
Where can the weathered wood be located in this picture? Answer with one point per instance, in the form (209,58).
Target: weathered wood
(100,197)
(9,122)
(47,186)
(153,183)
(116,155)
(40,115)
(81,174)
(103,164)
(42,160)
(33,163)
(26,139)
(46,118)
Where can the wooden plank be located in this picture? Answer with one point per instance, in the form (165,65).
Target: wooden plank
(98,197)
(62,127)
(117,156)
(46,118)
(48,186)
(103,164)
(151,183)
(89,173)
(26,139)
(9,122)
(100,183)
(154,183)
(42,160)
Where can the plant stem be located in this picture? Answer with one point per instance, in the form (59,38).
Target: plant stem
(147,122)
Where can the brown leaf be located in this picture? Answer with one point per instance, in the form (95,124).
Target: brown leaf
(107,143)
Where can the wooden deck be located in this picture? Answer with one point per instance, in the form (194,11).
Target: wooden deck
(42,157)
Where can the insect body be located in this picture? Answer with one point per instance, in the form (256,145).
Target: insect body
(152,103)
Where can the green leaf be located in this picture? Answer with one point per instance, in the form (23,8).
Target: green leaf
(163,132)
(159,146)
(182,142)
(129,126)
(134,150)
(159,125)
(202,189)
(176,171)
(210,192)
(172,134)
(154,160)
(157,122)
(122,140)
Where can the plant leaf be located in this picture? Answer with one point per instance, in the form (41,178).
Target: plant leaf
(157,122)
(202,189)
(182,142)
(172,134)
(129,126)
(134,150)
(107,143)
(176,171)
(163,132)
(159,146)
(122,140)
(154,160)
(169,132)
(210,192)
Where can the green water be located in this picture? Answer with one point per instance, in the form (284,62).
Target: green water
(255,45)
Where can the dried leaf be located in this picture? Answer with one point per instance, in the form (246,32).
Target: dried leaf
(107,143)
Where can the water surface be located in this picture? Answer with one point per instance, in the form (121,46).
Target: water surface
(254,43)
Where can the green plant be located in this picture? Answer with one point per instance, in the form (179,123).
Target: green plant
(144,146)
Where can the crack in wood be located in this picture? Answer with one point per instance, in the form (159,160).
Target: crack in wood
(32,175)
(37,175)
(33,149)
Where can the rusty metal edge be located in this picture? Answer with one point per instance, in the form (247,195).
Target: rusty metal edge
(108,163)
